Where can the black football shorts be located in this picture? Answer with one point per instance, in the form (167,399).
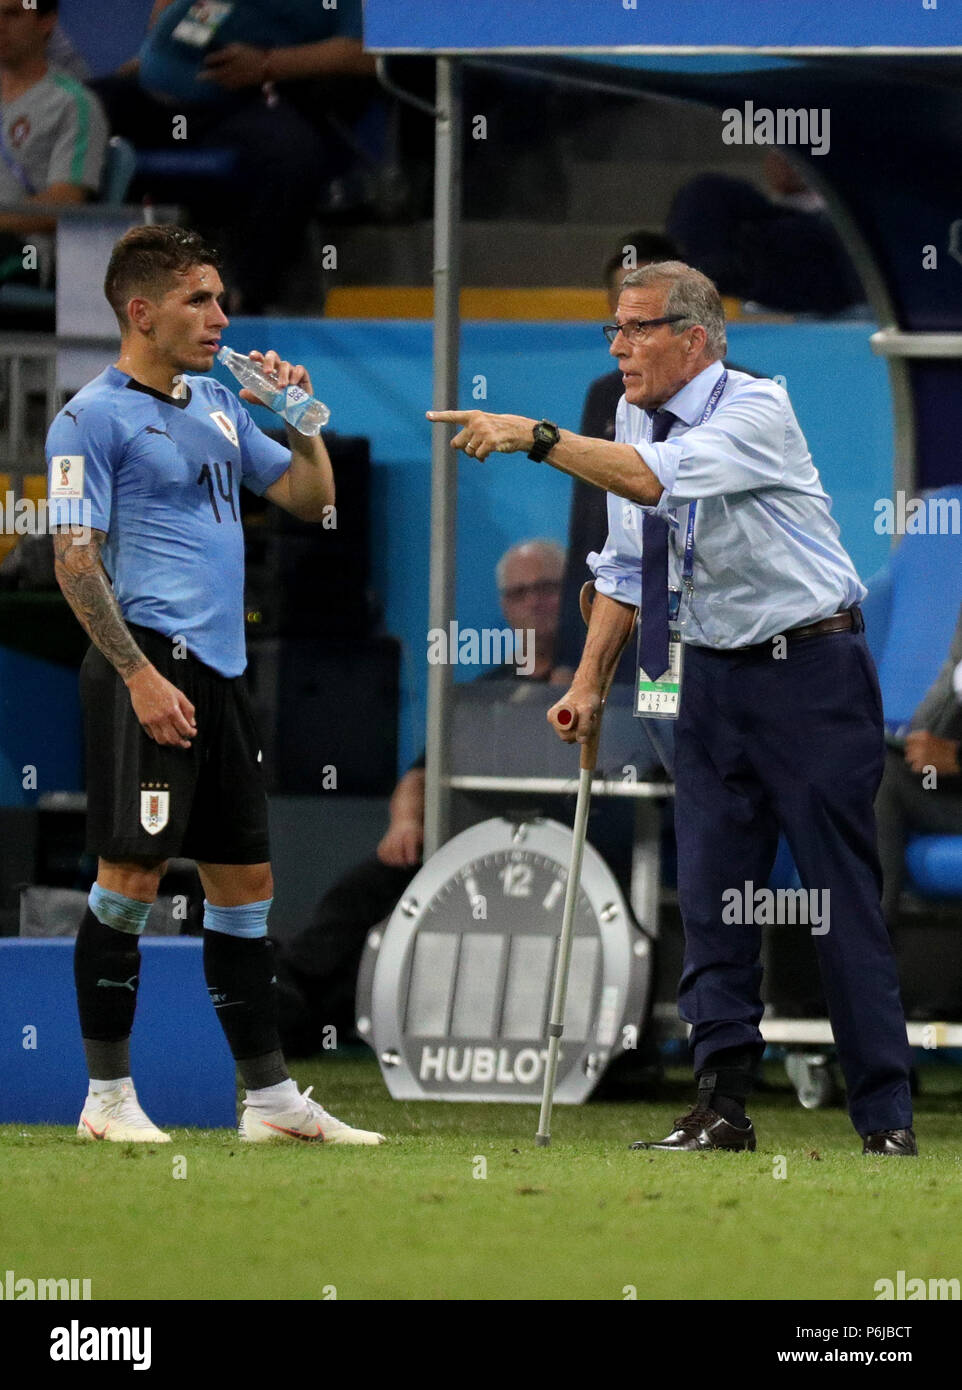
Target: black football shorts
(151,801)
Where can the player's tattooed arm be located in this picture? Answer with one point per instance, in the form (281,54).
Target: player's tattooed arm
(164,711)
(85,586)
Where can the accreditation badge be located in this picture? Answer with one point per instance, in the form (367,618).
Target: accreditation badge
(201,22)
(661,699)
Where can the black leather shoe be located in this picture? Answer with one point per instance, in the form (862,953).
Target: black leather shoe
(704,1128)
(900,1142)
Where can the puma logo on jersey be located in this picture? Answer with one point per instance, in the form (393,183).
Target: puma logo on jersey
(150,429)
(71,416)
(130,984)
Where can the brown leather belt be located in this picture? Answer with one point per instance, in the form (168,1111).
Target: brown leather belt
(849,621)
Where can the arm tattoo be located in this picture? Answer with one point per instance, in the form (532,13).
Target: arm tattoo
(85,586)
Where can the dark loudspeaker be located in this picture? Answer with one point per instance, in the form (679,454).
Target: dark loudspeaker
(18,861)
(312,578)
(327,713)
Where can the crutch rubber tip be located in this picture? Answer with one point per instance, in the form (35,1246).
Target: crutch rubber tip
(564,717)
(542,1140)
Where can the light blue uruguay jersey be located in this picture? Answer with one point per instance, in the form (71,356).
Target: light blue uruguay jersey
(161,475)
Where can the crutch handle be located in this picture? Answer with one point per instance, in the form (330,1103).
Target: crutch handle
(565,716)
(589,749)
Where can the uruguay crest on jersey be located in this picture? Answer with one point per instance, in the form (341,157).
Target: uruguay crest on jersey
(225,424)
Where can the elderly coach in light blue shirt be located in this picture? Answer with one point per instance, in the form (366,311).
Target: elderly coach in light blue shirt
(780,718)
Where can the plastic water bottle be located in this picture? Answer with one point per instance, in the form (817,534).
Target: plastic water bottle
(302,412)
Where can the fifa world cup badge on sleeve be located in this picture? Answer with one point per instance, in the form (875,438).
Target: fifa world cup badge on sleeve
(67,476)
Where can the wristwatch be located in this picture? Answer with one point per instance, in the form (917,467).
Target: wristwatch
(546,436)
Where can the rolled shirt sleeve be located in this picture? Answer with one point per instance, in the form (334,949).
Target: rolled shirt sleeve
(617,568)
(740,449)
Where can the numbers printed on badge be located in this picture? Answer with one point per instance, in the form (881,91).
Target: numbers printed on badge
(661,699)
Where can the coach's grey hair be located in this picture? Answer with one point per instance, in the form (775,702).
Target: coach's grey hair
(551,550)
(689,293)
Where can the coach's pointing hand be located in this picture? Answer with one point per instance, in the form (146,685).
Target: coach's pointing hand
(482,434)
(165,713)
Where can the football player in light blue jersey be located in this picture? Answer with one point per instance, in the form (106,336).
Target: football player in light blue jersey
(152,458)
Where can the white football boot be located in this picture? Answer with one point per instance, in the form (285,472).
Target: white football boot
(309,1122)
(116,1115)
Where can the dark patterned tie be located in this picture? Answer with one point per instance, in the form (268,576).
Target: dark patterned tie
(653,650)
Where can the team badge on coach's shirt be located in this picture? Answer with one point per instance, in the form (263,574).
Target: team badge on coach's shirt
(225,424)
(154,808)
(67,475)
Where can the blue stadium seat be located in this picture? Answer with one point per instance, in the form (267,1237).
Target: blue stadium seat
(934,865)
(205,164)
(119,167)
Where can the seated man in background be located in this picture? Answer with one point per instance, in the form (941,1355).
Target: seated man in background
(317,970)
(910,801)
(266,82)
(780,250)
(53,136)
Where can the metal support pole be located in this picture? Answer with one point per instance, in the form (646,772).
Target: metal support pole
(444,476)
(17,414)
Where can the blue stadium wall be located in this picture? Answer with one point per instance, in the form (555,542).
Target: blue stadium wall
(376,378)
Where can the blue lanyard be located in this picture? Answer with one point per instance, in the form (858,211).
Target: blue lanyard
(15,167)
(688,561)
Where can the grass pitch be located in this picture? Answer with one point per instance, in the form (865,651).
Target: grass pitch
(415,1219)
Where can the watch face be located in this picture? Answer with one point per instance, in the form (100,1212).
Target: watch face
(459,984)
(494,977)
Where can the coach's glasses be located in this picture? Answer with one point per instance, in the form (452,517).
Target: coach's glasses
(636,330)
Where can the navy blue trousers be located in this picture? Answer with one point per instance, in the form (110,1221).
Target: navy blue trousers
(796,744)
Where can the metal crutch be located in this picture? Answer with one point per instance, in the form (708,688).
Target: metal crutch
(589,757)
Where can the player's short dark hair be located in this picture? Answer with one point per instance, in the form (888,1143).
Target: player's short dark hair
(42,7)
(647,246)
(146,259)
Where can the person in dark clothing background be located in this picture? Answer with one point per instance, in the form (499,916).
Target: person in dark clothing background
(911,800)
